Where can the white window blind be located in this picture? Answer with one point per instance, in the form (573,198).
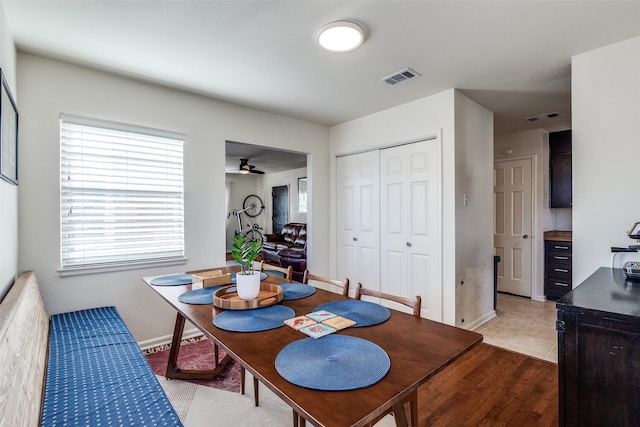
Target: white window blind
(121,194)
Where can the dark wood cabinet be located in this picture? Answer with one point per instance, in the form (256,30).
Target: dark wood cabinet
(560,174)
(599,351)
(557,268)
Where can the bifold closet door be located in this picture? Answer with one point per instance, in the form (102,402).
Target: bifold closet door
(358,224)
(410,237)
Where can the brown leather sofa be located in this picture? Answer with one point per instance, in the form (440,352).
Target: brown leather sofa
(289,246)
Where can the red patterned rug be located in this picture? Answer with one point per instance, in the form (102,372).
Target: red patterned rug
(197,355)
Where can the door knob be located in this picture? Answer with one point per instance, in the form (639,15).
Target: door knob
(355,239)
(408,244)
(526,236)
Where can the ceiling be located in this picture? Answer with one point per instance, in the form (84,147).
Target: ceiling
(512,57)
(264,159)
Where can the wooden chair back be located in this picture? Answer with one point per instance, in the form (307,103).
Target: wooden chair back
(414,304)
(344,285)
(412,399)
(286,271)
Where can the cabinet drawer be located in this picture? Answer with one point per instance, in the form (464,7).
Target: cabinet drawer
(556,288)
(562,259)
(558,247)
(558,273)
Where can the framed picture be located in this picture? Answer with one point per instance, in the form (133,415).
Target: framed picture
(8,134)
(302,194)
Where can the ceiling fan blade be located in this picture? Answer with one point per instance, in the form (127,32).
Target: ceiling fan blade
(245,167)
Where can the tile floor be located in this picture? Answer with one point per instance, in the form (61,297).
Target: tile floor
(524,326)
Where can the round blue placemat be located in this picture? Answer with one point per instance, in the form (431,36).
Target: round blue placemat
(200,296)
(275,273)
(173,280)
(262,277)
(333,363)
(296,291)
(258,319)
(364,313)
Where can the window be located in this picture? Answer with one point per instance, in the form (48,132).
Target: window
(302,194)
(121,194)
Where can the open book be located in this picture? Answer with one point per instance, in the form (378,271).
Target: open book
(319,323)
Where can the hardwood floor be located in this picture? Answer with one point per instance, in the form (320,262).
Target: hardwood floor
(493,386)
(490,386)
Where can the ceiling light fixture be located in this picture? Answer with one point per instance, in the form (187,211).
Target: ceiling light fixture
(340,36)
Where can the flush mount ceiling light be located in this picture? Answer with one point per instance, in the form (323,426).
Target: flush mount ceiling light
(340,36)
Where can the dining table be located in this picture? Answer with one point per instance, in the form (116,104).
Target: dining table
(417,349)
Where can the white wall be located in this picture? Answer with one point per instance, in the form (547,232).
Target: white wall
(533,144)
(241,187)
(48,88)
(424,117)
(606,148)
(8,191)
(474,221)
(290,179)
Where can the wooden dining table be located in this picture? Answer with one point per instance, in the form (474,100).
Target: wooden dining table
(418,348)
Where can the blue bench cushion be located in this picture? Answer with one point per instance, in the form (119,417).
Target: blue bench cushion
(97,375)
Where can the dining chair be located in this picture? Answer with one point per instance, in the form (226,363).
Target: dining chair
(344,285)
(286,272)
(415,304)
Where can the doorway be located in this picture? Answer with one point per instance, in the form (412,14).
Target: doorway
(513,225)
(280,203)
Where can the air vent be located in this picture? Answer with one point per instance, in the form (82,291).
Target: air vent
(400,76)
(541,117)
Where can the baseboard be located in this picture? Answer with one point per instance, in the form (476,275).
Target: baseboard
(166,339)
(481,321)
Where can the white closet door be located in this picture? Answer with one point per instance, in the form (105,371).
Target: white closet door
(358,222)
(410,224)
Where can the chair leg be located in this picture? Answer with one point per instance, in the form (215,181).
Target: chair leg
(242,375)
(255,391)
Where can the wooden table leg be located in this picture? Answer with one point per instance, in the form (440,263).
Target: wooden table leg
(400,415)
(174,372)
(413,408)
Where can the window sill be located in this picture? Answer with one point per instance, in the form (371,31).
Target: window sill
(110,268)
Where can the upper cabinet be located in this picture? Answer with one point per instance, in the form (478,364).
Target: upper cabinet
(560,169)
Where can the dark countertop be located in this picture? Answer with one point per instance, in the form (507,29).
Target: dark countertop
(558,235)
(607,291)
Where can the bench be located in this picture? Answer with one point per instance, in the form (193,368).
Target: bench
(78,368)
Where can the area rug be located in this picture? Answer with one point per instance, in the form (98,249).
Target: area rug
(197,354)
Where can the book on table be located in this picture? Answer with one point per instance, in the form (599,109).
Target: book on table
(319,323)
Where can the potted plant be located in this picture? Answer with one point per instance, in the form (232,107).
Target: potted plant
(245,252)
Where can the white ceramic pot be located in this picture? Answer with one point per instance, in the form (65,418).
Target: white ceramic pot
(248,285)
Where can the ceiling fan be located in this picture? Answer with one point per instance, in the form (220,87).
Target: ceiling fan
(245,167)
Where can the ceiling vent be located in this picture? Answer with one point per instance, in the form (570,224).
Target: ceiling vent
(541,117)
(400,76)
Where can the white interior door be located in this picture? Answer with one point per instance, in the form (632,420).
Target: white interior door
(410,243)
(358,223)
(513,225)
